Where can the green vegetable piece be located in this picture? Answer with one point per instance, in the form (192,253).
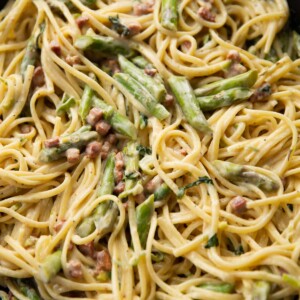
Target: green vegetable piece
(212,242)
(118,27)
(119,123)
(74,140)
(28,291)
(86,102)
(296,43)
(142,95)
(185,97)
(157,256)
(162,192)
(143,150)
(155,88)
(144,214)
(291,280)
(225,288)
(106,46)
(50,267)
(261,290)
(169,14)
(241,174)
(200,180)
(245,80)
(66,103)
(31,55)
(224,98)
(143,121)
(142,62)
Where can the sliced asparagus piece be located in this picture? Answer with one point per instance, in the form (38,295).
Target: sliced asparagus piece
(261,290)
(162,192)
(50,267)
(155,88)
(86,102)
(142,95)
(225,288)
(141,62)
(119,123)
(169,14)
(245,80)
(74,140)
(224,98)
(107,46)
(28,291)
(98,216)
(31,55)
(185,97)
(144,214)
(242,174)
(132,175)
(66,103)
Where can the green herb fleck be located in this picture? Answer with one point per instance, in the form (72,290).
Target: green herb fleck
(203,179)
(118,26)
(212,242)
(143,150)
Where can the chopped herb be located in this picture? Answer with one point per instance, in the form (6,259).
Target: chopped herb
(132,175)
(203,179)
(143,121)
(212,242)
(143,150)
(239,250)
(157,256)
(118,26)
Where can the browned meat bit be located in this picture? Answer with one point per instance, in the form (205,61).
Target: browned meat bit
(153,184)
(25,128)
(134,28)
(58,225)
(113,65)
(55,47)
(103,261)
(82,21)
(262,93)
(234,56)
(74,268)
(119,188)
(169,100)
(187,45)
(139,198)
(87,249)
(206,14)
(73,60)
(119,167)
(183,151)
(73,155)
(239,205)
(150,71)
(112,139)
(52,142)
(38,78)
(105,150)
(94,116)
(143,8)
(235,69)
(102,127)
(93,149)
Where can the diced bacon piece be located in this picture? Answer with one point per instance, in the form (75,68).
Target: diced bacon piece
(52,142)
(82,21)
(169,100)
(111,138)
(235,69)
(55,47)
(103,261)
(119,167)
(26,128)
(58,225)
(234,56)
(206,14)
(102,127)
(74,268)
(187,45)
(151,71)
(94,116)
(87,249)
(134,27)
(153,184)
(239,205)
(113,65)
(73,155)
(38,78)
(140,9)
(93,149)
(119,188)
(140,198)
(105,149)
(73,60)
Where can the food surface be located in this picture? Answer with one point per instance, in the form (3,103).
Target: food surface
(149,150)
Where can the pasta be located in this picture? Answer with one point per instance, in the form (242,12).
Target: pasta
(149,150)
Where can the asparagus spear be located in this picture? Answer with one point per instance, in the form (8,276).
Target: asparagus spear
(142,95)
(31,55)
(261,290)
(66,103)
(119,123)
(162,192)
(28,291)
(185,96)
(89,224)
(224,98)
(50,267)
(144,214)
(225,288)
(132,176)
(245,80)
(169,14)
(106,46)
(86,102)
(155,88)
(141,62)
(74,140)
(241,174)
